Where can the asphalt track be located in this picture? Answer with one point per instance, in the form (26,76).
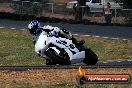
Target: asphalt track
(101,64)
(93,30)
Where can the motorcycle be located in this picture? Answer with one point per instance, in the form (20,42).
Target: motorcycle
(62,51)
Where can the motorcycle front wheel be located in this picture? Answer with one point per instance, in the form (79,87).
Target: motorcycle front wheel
(56,59)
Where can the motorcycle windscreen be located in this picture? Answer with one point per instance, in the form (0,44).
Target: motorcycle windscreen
(40,44)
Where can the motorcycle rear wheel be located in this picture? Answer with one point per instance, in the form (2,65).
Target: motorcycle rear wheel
(90,57)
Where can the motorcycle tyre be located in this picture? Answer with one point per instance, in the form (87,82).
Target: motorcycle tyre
(90,57)
(55,59)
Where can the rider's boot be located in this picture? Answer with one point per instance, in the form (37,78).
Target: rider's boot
(78,43)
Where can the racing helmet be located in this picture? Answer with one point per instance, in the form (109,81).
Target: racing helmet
(34,26)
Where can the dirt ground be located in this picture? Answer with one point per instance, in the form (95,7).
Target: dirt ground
(98,19)
(54,76)
(5,7)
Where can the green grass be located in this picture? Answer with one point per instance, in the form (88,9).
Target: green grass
(108,49)
(16,48)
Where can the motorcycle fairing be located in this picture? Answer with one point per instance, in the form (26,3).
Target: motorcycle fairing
(44,40)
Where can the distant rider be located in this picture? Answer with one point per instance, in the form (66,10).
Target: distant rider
(35,29)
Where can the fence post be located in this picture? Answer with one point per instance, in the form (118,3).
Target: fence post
(115,12)
(52,8)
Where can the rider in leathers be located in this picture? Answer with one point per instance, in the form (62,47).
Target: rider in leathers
(35,29)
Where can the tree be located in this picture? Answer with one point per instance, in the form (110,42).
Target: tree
(126,3)
(128,15)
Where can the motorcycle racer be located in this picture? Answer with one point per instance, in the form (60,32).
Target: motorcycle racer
(50,44)
(35,29)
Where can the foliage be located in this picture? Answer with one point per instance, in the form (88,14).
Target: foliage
(127,3)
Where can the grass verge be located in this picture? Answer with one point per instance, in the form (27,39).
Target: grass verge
(16,48)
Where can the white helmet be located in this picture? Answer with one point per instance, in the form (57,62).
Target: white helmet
(34,25)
